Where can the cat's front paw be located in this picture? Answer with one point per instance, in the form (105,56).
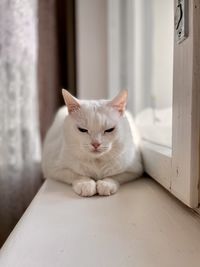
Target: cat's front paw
(107,187)
(85,187)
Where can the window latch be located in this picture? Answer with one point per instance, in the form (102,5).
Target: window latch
(181,20)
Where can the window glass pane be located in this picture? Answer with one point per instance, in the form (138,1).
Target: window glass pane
(140,36)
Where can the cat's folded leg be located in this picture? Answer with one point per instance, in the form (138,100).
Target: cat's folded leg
(83,186)
(110,185)
(107,186)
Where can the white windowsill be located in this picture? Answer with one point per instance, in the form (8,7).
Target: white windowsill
(142,225)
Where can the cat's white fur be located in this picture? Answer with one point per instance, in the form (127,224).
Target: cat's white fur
(69,156)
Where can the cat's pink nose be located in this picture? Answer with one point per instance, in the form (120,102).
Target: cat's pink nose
(96,145)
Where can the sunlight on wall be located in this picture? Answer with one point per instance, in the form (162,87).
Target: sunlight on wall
(91,26)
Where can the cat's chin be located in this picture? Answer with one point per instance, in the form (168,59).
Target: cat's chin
(97,153)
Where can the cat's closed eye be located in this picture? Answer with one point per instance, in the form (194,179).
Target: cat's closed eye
(109,130)
(82,130)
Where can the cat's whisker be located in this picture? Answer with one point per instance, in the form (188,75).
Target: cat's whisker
(71,147)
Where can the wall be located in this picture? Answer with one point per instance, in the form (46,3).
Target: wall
(91,26)
(48,66)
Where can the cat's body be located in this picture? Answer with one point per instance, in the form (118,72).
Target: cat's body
(93,147)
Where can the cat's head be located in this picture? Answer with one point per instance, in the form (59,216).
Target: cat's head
(95,124)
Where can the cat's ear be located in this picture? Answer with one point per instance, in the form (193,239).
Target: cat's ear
(71,102)
(120,101)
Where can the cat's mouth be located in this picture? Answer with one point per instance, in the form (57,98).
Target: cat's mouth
(97,152)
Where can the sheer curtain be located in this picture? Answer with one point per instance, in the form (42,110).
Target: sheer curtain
(19,129)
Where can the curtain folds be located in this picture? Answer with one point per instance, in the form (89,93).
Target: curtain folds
(19,124)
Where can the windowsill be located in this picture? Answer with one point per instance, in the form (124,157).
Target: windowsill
(142,225)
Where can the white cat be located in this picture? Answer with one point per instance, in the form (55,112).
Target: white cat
(92,145)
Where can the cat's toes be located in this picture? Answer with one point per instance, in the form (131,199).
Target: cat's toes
(85,187)
(107,187)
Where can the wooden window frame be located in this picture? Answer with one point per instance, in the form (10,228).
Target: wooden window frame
(178,169)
